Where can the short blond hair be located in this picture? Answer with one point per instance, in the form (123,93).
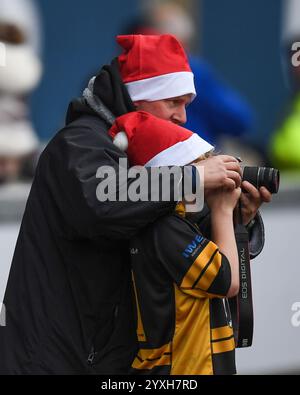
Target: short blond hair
(207,155)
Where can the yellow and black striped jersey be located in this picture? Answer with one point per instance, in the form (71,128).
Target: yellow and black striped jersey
(183,321)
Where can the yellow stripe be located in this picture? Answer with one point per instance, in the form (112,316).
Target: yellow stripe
(140,327)
(180,209)
(221,332)
(199,264)
(149,358)
(223,346)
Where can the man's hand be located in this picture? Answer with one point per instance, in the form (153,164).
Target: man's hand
(221,171)
(252,199)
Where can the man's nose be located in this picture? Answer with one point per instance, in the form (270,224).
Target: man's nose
(179,117)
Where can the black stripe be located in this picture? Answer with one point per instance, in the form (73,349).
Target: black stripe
(152,359)
(205,268)
(221,283)
(223,338)
(140,359)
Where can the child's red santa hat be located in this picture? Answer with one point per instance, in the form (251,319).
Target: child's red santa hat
(155,67)
(151,141)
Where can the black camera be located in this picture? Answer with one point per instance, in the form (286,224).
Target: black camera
(262,177)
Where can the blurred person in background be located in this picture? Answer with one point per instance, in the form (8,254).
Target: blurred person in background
(219,113)
(285,142)
(19,76)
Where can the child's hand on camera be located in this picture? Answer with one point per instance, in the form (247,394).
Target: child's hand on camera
(223,200)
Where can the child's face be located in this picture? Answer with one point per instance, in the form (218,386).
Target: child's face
(173,109)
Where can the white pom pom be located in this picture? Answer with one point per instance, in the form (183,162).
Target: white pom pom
(121,141)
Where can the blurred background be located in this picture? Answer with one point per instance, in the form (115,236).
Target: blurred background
(246,60)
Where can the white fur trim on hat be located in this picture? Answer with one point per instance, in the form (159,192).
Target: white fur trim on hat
(181,153)
(162,87)
(121,141)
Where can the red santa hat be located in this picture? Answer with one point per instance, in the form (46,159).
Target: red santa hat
(151,141)
(155,67)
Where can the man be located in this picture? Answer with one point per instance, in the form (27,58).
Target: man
(69,299)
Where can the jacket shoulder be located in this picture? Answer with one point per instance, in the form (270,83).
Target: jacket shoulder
(84,129)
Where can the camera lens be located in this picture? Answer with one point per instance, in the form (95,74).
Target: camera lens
(262,177)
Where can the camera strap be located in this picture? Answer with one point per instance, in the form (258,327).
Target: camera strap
(241,306)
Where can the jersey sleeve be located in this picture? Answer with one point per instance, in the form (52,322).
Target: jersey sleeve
(194,262)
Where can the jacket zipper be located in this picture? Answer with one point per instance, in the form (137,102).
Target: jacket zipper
(91,356)
(93,353)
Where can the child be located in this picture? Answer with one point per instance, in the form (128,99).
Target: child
(181,279)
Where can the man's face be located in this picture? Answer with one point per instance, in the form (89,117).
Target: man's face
(173,109)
